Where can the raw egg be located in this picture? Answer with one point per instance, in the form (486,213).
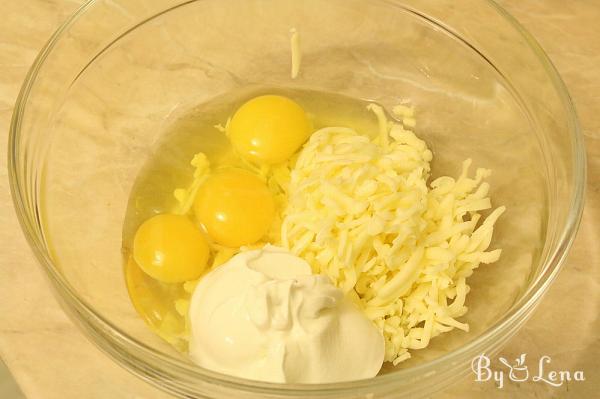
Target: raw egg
(235,206)
(170,248)
(269,129)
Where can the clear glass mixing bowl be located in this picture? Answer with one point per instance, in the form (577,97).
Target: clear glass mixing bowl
(103,89)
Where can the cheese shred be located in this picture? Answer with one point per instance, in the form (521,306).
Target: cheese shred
(185,196)
(296,54)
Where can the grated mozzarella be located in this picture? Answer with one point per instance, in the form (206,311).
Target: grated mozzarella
(360,211)
(296,53)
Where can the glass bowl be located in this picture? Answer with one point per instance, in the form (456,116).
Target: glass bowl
(117,73)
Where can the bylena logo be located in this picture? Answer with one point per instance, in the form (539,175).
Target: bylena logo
(518,371)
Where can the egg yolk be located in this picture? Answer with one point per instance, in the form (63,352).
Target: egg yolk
(268,129)
(170,248)
(235,207)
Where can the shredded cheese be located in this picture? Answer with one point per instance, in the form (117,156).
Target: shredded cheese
(185,196)
(296,54)
(360,211)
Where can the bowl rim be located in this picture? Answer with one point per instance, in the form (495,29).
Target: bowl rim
(77,308)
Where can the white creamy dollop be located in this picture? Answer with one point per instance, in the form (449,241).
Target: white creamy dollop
(264,316)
